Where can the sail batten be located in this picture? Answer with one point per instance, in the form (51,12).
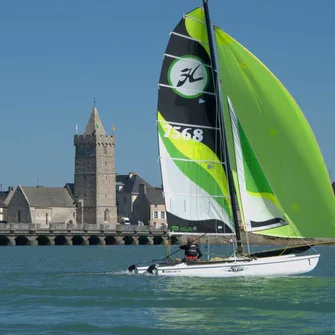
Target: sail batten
(187,89)
(188,124)
(188,38)
(193,160)
(193,18)
(190,61)
(198,195)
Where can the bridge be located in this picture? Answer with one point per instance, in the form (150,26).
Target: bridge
(81,234)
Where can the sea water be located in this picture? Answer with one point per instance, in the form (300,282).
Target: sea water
(87,290)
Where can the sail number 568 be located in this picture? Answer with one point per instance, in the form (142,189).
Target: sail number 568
(185,134)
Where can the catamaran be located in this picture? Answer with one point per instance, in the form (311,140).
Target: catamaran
(231,136)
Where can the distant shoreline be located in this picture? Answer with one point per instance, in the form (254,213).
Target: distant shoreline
(255,239)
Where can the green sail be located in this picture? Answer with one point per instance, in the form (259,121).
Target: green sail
(259,206)
(281,139)
(192,165)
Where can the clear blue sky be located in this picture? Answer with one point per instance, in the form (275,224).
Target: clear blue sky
(57,55)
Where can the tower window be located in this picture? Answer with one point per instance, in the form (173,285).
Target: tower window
(106,216)
(105,150)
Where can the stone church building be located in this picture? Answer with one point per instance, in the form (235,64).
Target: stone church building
(41,205)
(94,176)
(90,200)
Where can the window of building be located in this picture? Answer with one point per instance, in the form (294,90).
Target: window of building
(105,150)
(18,216)
(84,177)
(74,214)
(47,218)
(125,200)
(155,215)
(106,216)
(162,215)
(155,205)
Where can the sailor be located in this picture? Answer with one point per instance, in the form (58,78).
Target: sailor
(192,251)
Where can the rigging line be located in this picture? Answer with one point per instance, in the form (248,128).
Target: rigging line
(295,234)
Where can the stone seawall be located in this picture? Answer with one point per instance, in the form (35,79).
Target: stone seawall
(255,239)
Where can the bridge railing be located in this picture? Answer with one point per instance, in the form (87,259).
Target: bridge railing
(12,227)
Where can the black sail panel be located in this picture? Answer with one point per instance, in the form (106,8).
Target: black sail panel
(192,165)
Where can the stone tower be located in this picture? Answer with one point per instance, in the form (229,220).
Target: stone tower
(94,176)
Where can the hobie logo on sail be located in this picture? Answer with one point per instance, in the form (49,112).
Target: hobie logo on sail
(188,76)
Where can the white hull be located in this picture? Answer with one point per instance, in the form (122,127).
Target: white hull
(268,266)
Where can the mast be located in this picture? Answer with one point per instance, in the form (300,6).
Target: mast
(221,120)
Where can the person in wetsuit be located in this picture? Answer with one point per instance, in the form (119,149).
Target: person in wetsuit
(192,251)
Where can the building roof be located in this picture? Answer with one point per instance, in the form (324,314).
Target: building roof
(5,196)
(48,196)
(94,125)
(131,182)
(155,196)
(2,204)
(70,187)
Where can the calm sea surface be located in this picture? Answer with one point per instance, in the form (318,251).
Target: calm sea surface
(85,290)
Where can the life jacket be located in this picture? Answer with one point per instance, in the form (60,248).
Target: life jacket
(191,252)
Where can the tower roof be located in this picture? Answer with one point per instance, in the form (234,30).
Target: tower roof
(94,125)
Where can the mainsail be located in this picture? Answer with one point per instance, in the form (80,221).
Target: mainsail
(280,138)
(192,164)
